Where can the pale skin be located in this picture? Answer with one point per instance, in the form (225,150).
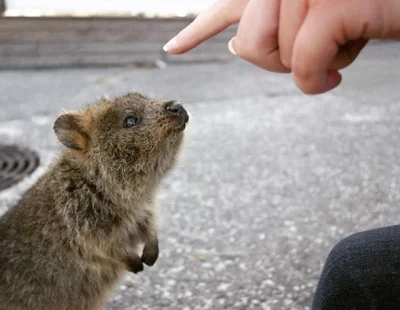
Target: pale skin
(311,39)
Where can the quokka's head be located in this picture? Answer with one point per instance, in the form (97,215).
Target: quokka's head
(131,134)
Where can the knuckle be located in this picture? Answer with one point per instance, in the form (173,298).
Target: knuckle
(255,53)
(248,51)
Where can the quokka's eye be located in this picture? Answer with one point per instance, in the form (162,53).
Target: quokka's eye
(131,121)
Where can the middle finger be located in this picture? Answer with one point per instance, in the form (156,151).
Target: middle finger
(257,36)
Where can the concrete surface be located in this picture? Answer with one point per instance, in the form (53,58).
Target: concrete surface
(270,180)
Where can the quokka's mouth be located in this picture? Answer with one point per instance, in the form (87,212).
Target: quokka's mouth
(182,127)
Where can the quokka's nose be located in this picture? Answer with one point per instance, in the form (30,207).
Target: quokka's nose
(175,108)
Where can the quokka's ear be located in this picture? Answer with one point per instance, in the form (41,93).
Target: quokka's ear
(71,132)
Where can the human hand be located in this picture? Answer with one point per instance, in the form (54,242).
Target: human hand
(312,39)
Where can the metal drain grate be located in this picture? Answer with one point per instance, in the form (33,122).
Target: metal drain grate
(15,164)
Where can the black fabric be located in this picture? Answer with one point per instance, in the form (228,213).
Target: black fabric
(362,272)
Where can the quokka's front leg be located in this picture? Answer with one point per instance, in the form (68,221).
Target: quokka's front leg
(148,232)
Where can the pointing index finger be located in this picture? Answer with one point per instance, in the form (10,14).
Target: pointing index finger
(221,15)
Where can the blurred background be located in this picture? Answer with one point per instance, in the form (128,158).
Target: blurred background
(269,180)
(106,7)
(48,34)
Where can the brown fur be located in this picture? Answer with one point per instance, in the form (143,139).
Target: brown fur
(75,233)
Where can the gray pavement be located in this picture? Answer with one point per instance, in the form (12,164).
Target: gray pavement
(269,181)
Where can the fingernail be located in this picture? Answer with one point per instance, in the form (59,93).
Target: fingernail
(170,45)
(230,46)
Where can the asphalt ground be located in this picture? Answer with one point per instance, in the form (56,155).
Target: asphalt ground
(270,179)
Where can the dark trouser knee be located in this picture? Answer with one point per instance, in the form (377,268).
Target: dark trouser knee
(336,287)
(362,272)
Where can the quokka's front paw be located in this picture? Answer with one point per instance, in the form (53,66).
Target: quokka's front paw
(134,264)
(150,253)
